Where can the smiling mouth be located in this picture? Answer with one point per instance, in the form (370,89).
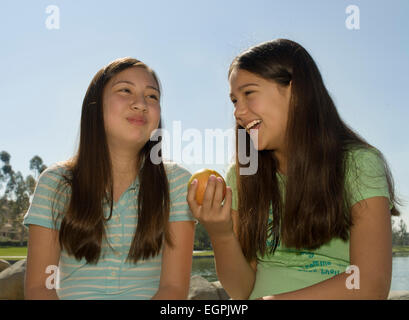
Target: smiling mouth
(139,122)
(255,124)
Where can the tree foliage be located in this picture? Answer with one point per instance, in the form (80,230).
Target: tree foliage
(202,240)
(16,191)
(400,236)
(36,164)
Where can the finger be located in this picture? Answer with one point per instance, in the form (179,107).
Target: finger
(209,192)
(218,195)
(226,208)
(228,199)
(191,198)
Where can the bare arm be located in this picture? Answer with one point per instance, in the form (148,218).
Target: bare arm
(43,251)
(177,262)
(370,251)
(235,273)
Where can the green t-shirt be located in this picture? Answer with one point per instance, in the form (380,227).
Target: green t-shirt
(289,269)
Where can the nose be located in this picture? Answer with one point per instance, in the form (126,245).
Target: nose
(139,104)
(240,111)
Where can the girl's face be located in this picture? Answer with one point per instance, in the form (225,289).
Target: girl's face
(262,105)
(131,108)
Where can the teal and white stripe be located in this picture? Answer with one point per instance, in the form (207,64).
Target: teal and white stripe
(112,277)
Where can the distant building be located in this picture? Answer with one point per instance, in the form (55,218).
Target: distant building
(16,232)
(7,231)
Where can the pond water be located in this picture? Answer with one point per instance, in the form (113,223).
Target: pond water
(400,271)
(204,267)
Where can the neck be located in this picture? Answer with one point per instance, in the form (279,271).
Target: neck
(124,163)
(282,161)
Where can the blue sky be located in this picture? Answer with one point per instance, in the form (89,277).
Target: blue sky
(190,45)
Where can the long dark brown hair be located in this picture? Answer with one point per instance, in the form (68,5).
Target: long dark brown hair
(316,206)
(90,181)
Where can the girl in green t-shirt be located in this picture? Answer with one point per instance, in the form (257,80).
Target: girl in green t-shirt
(314,220)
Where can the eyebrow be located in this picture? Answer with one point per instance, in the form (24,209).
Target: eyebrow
(245,85)
(130,82)
(248,84)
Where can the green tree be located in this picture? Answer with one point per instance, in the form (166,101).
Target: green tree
(5,157)
(37,165)
(202,240)
(31,184)
(402,232)
(16,197)
(395,233)
(7,173)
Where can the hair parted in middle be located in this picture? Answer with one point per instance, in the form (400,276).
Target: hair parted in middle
(90,182)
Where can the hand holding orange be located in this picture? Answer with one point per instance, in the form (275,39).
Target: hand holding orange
(210,202)
(202,177)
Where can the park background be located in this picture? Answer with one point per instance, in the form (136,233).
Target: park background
(47,65)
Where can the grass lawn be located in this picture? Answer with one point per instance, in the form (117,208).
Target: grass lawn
(22,251)
(13,252)
(401,249)
(203,253)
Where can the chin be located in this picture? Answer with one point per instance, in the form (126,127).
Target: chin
(134,142)
(260,146)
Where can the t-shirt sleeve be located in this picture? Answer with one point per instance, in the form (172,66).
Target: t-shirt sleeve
(231,181)
(366,176)
(48,202)
(178,182)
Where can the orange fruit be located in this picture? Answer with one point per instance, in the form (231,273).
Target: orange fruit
(202,177)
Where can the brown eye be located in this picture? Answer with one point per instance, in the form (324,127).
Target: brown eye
(126,90)
(152,96)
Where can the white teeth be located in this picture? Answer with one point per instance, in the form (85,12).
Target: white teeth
(252,124)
